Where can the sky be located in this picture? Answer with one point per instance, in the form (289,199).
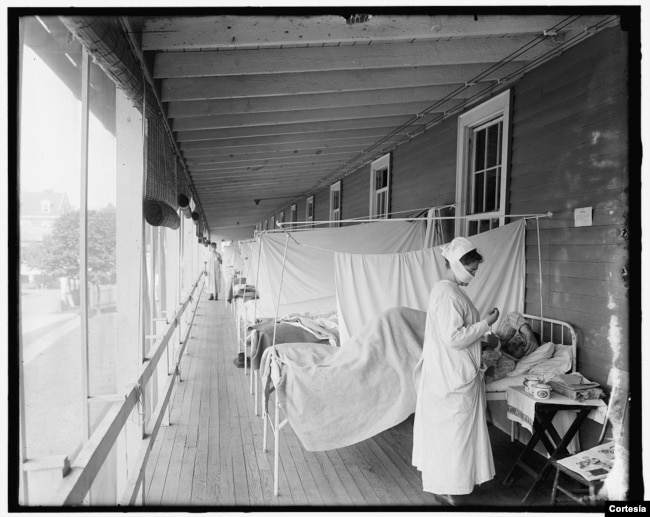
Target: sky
(50,153)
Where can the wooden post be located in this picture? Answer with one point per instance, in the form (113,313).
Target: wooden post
(23,495)
(130,248)
(83,238)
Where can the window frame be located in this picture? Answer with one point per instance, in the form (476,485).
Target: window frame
(498,107)
(376,166)
(293,213)
(335,212)
(309,217)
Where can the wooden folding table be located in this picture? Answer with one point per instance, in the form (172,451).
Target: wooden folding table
(537,415)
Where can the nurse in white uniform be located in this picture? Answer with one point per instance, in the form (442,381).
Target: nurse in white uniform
(451,445)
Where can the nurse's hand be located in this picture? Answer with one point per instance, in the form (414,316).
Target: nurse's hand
(492,316)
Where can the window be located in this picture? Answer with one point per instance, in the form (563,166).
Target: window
(335,204)
(309,212)
(380,187)
(50,139)
(266,224)
(281,218)
(272,223)
(482,166)
(293,215)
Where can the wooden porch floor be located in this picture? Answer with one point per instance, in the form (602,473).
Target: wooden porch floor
(211,454)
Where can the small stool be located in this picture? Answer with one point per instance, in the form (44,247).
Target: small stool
(585,494)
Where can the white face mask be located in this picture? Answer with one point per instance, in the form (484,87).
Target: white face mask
(460,272)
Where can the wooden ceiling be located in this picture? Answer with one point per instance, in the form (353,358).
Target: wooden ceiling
(277,107)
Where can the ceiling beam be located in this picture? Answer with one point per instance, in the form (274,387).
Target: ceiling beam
(270,155)
(246,187)
(217,177)
(263,31)
(303,161)
(263,85)
(430,94)
(285,168)
(305,138)
(299,147)
(308,116)
(359,57)
(297,129)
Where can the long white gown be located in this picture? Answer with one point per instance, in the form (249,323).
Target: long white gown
(214,272)
(451,445)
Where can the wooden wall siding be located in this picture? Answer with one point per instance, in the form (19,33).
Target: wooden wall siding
(424,170)
(301,207)
(322,205)
(356,193)
(423,175)
(570,150)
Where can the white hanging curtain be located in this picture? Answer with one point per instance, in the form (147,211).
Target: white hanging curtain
(308,284)
(367,284)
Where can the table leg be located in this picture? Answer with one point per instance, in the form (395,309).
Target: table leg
(507,481)
(544,424)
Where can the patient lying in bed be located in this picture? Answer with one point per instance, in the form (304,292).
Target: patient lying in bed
(513,339)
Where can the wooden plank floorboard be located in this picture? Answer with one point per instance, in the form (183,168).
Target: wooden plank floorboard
(211,455)
(341,495)
(263,461)
(242,484)
(348,480)
(289,442)
(354,460)
(391,491)
(409,474)
(248,445)
(290,484)
(166,435)
(225,488)
(389,462)
(200,479)
(172,481)
(187,473)
(365,486)
(154,457)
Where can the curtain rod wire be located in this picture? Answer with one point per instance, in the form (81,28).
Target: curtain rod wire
(401,219)
(369,150)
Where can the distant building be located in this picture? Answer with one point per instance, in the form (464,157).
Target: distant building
(38,211)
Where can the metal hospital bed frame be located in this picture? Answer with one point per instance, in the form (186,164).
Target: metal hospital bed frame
(548,329)
(559,332)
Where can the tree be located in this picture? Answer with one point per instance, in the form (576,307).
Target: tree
(61,256)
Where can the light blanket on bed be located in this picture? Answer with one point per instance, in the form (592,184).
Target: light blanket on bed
(335,397)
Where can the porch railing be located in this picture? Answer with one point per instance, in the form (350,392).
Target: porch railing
(81,474)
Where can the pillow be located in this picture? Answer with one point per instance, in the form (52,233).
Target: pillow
(561,362)
(542,353)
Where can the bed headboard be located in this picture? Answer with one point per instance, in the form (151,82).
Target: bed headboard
(559,332)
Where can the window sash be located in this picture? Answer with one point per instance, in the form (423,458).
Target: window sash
(380,187)
(381,203)
(482,166)
(309,211)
